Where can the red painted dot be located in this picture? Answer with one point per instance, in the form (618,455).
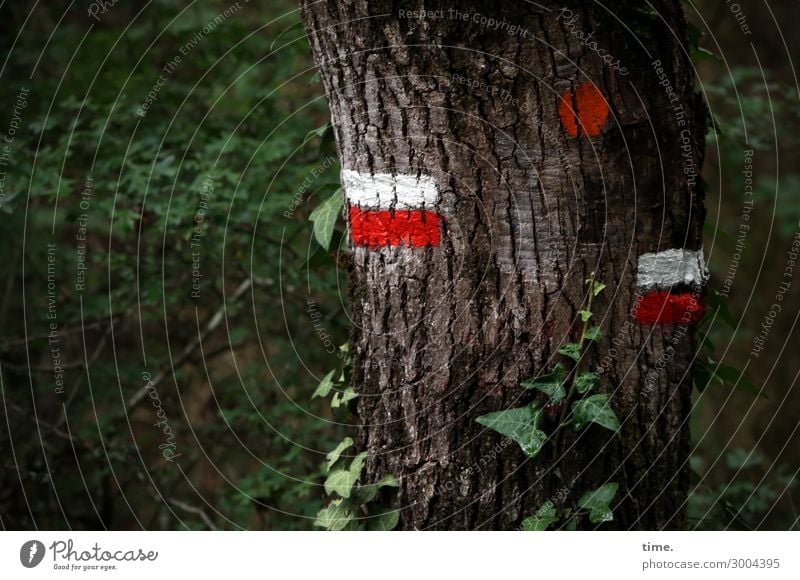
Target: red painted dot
(583,111)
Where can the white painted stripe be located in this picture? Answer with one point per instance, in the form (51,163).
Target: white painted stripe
(671,267)
(386,191)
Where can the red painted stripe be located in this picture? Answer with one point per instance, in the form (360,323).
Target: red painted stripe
(666,308)
(375,228)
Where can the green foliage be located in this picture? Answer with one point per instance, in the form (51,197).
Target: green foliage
(551,385)
(383,521)
(334,455)
(593,333)
(335,517)
(711,372)
(341,481)
(742,493)
(325,385)
(343,397)
(350,499)
(598,501)
(594,504)
(572,350)
(342,512)
(325,217)
(563,389)
(594,409)
(744,93)
(343,393)
(521,425)
(707,371)
(697,52)
(596,287)
(544,517)
(585,382)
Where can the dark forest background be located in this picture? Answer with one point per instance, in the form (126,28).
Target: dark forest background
(176,388)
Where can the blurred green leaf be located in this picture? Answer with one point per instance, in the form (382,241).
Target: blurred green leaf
(325,217)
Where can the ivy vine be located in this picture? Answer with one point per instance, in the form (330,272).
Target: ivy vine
(353,504)
(571,400)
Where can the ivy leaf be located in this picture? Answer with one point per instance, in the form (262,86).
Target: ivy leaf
(710,372)
(585,315)
(341,482)
(743,459)
(717,305)
(388,480)
(599,497)
(594,409)
(366,493)
(348,395)
(601,515)
(325,216)
(593,333)
(383,522)
(585,382)
(703,342)
(697,52)
(551,385)
(334,517)
(572,350)
(293,27)
(340,399)
(541,520)
(358,464)
(334,455)
(325,385)
(521,425)
(597,502)
(734,377)
(597,287)
(319,132)
(701,375)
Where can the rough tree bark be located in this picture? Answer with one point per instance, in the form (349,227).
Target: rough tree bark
(446,332)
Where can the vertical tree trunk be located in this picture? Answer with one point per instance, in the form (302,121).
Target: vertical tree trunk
(470,287)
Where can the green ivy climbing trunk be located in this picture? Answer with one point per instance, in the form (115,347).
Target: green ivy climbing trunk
(546,143)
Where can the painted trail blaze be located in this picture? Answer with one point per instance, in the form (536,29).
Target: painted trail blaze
(583,111)
(662,279)
(668,308)
(401,227)
(387,210)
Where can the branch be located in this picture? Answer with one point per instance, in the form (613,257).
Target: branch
(189,348)
(194,510)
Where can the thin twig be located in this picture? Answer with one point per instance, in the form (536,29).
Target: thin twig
(70,365)
(573,372)
(95,355)
(64,332)
(194,510)
(52,428)
(189,348)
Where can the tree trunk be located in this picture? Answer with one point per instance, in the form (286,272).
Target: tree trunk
(489,170)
